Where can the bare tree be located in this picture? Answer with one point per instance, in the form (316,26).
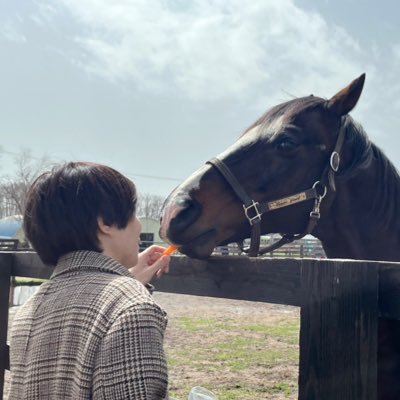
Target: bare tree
(14,189)
(149,206)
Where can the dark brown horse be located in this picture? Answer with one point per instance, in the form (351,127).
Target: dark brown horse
(308,156)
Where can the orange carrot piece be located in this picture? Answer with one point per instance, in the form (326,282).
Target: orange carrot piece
(170,250)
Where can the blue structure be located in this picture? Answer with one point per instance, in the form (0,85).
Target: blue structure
(9,226)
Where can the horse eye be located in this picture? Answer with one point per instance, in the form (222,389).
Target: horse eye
(286,145)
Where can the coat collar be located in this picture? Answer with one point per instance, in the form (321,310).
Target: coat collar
(84,260)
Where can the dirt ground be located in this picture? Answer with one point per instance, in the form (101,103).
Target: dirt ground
(274,381)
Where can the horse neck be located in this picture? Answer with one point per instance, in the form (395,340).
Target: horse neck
(363,220)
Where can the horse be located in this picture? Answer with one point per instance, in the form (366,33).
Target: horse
(305,166)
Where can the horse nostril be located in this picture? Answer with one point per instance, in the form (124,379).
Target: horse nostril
(190,211)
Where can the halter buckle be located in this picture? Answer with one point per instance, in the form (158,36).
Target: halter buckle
(254,208)
(315,212)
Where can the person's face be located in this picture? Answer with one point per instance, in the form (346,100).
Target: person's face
(123,244)
(129,243)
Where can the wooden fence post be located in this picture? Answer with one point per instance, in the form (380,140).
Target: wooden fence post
(5,274)
(338,331)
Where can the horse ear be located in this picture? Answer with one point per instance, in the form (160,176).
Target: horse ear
(345,100)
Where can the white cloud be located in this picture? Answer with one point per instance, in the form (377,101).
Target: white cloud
(45,14)
(11,32)
(214,49)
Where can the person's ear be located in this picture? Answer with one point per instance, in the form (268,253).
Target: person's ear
(103,228)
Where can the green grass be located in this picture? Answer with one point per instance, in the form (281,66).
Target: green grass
(200,325)
(233,350)
(234,354)
(20,281)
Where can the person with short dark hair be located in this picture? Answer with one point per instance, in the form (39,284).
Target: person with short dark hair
(93,331)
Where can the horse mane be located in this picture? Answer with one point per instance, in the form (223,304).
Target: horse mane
(386,197)
(361,149)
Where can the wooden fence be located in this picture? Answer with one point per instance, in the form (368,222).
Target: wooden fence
(340,302)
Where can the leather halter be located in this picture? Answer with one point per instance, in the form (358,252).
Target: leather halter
(254,210)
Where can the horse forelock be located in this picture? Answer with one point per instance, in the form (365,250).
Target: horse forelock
(285,112)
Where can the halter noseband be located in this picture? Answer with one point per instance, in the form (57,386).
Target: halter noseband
(254,210)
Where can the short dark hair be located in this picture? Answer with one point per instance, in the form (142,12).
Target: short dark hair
(64,204)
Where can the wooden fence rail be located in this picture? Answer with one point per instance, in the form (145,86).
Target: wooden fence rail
(340,302)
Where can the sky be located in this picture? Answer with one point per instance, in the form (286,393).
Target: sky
(154,88)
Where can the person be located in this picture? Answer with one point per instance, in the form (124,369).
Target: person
(93,330)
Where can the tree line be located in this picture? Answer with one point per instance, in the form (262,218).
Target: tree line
(14,188)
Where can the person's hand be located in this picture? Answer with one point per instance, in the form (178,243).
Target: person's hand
(151,263)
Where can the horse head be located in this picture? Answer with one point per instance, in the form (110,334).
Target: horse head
(284,152)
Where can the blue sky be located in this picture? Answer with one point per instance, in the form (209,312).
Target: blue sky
(155,88)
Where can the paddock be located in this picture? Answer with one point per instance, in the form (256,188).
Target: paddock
(340,303)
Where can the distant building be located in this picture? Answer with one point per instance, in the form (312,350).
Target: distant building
(150,233)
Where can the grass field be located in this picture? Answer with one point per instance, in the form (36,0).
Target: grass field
(239,350)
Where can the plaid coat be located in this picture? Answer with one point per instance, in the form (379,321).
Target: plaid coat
(91,332)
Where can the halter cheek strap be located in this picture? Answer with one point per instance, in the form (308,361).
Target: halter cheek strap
(254,210)
(334,160)
(251,207)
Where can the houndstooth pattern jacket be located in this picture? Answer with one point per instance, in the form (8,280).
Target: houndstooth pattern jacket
(91,332)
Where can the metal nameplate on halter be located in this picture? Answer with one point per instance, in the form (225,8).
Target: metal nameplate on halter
(253,208)
(287,201)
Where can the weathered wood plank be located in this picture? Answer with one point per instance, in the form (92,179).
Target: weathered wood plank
(29,265)
(266,279)
(274,281)
(338,331)
(389,290)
